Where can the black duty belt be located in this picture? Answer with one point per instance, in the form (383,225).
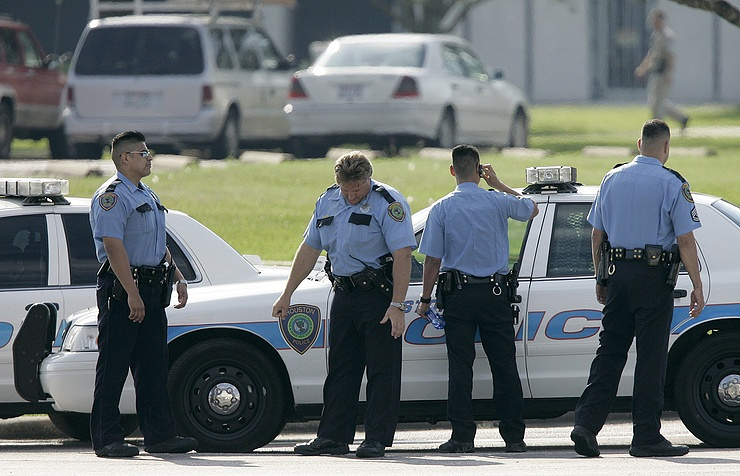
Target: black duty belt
(497,278)
(652,255)
(149,274)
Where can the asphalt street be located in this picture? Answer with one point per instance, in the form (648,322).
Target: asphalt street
(30,445)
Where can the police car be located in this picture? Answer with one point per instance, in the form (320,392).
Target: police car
(238,375)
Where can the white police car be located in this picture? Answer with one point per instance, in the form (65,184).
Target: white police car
(237,374)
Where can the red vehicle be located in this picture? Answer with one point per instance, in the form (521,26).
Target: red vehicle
(31,90)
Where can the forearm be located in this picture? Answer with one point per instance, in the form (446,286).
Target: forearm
(690,257)
(597,236)
(401,273)
(430,274)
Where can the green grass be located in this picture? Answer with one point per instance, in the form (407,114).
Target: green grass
(264,208)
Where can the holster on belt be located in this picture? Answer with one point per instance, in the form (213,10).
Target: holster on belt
(602,272)
(444,286)
(512,284)
(673,265)
(169,277)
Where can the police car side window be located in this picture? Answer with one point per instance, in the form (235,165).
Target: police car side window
(24,252)
(83,263)
(180,259)
(570,244)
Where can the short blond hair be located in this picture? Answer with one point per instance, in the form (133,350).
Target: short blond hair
(352,167)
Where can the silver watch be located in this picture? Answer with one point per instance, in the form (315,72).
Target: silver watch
(399,305)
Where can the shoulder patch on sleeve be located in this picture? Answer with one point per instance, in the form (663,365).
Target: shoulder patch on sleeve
(108,200)
(686,192)
(396,211)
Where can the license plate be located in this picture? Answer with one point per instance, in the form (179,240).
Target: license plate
(137,99)
(349,92)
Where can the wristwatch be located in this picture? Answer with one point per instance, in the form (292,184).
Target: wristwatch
(399,305)
(424,300)
(181,281)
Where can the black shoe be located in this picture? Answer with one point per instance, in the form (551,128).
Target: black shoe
(176,444)
(370,449)
(454,446)
(585,441)
(664,448)
(322,446)
(117,449)
(520,447)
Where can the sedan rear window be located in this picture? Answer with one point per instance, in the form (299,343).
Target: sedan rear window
(373,54)
(140,50)
(729,210)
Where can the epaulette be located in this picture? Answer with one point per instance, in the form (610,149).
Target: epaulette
(112,186)
(385,193)
(680,177)
(336,185)
(619,165)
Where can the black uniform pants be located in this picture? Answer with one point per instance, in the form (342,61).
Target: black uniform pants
(467,310)
(141,347)
(638,305)
(357,341)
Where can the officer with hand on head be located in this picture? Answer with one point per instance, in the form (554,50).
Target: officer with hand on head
(466,237)
(133,288)
(360,223)
(642,208)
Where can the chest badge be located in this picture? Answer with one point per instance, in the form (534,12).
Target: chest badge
(365,208)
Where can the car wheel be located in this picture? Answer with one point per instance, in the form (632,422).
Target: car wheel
(87,151)
(6,131)
(446,131)
(77,425)
(58,145)
(228,395)
(519,132)
(304,148)
(227,143)
(707,390)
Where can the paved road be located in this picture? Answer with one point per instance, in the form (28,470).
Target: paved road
(31,446)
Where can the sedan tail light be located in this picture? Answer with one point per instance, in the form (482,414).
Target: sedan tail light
(407,88)
(296,89)
(207,95)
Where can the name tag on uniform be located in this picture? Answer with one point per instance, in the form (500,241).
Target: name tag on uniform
(360,219)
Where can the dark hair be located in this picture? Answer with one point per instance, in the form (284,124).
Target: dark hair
(465,160)
(655,129)
(128,135)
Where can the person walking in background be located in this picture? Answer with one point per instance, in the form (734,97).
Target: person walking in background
(133,288)
(466,237)
(361,224)
(641,210)
(659,65)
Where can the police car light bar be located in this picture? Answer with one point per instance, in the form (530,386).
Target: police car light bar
(558,178)
(35,190)
(552,174)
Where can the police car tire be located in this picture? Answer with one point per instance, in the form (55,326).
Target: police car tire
(232,365)
(77,425)
(696,395)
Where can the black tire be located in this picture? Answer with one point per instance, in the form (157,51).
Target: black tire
(227,143)
(447,131)
(6,131)
(255,411)
(706,390)
(87,151)
(77,425)
(308,148)
(519,131)
(58,145)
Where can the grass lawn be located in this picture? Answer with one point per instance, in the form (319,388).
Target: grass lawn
(264,208)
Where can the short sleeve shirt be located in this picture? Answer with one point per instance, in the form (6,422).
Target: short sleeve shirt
(133,214)
(643,203)
(468,229)
(357,235)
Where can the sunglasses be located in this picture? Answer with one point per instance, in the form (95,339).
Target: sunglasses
(144,153)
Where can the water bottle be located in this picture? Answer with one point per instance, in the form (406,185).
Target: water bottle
(435,317)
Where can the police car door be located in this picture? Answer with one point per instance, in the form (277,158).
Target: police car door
(563,318)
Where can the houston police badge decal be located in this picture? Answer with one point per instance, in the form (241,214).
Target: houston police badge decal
(300,326)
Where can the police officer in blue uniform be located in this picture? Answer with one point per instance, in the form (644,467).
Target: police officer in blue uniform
(360,223)
(641,209)
(128,225)
(466,237)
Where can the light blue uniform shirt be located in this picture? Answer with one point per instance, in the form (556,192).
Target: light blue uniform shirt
(643,203)
(468,229)
(366,231)
(114,214)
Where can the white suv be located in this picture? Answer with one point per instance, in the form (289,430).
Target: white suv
(188,81)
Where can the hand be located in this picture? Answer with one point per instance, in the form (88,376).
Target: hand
(601,294)
(422,308)
(182,295)
(136,307)
(489,175)
(398,321)
(697,303)
(280,308)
